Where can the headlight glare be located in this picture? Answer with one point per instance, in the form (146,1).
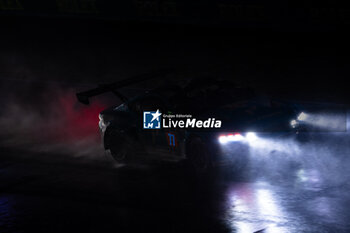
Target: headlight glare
(294,123)
(302,116)
(230,138)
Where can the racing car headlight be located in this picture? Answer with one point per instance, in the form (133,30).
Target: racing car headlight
(251,136)
(230,138)
(302,116)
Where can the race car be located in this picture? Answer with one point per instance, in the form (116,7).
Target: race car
(245,116)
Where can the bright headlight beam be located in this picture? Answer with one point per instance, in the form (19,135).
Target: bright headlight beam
(230,138)
(251,136)
(326,121)
(222,139)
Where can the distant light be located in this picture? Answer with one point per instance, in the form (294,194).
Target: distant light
(293,123)
(302,116)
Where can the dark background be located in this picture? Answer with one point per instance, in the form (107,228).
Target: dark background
(286,48)
(50,50)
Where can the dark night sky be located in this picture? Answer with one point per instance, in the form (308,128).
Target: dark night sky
(92,51)
(45,60)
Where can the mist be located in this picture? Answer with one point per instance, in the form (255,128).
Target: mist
(48,118)
(321,161)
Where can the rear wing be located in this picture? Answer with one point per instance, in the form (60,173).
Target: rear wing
(83,97)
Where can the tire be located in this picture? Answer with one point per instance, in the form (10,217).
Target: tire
(120,144)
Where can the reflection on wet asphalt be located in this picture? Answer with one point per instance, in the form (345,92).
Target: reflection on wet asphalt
(260,205)
(46,192)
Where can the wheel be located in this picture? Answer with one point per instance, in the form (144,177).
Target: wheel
(120,144)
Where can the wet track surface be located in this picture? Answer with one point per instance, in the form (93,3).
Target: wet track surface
(53,192)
